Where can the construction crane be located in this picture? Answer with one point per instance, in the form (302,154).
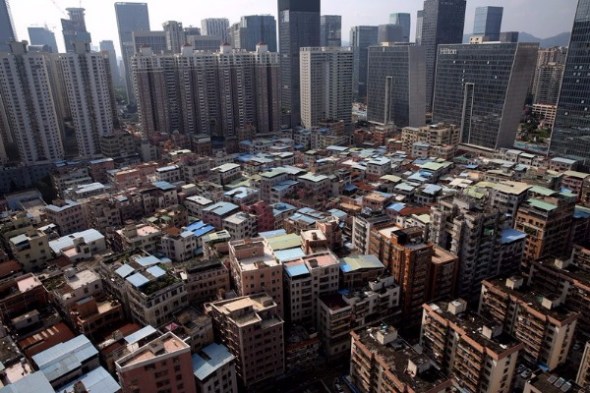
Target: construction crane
(61,10)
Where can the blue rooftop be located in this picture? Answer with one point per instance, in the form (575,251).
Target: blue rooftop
(199,228)
(64,358)
(164,185)
(289,255)
(510,235)
(215,357)
(156,271)
(124,271)
(581,212)
(296,270)
(221,208)
(137,280)
(140,334)
(96,381)
(396,206)
(147,261)
(271,234)
(36,382)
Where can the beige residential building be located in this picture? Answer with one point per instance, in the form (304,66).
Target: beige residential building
(241,225)
(163,364)
(205,280)
(31,249)
(539,321)
(434,135)
(138,237)
(338,314)
(382,362)
(254,269)
(476,354)
(252,330)
(306,279)
(67,215)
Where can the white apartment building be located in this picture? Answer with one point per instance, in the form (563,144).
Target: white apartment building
(326,85)
(89,88)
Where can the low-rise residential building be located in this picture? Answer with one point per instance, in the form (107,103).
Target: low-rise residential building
(31,250)
(382,362)
(215,370)
(137,237)
(164,363)
(241,225)
(214,214)
(252,330)
(305,280)
(539,321)
(339,314)
(205,280)
(475,353)
(67,361)
(255,269)
(67,215)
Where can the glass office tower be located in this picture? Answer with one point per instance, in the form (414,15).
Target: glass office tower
(482,88)
(571,134)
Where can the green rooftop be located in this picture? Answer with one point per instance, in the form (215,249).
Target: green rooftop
(542,205)
(542,190)
(284,242)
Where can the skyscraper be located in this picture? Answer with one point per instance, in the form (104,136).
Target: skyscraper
(299,26)
(326,85)
(252,30)
(396,85)
(43,36)
(109,47)
(331,30)
(361,37)
(483,88)
(419,24)
(391,33)
(571,134)
(405,21)
(130,17)
(7,33)
(488,22)
(217,27)
(155,40)
(443,23)
(74,29)
(175,38)
(30,111)
(90,93)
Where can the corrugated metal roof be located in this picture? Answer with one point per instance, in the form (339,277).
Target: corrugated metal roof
(156,271)
(359,262)
(140,334)
(36,382)
(289,255)
(96,381)
(217,357)
(296,270)
(63,358)
(124,271)
(137,280)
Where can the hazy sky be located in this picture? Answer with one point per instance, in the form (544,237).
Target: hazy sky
(542,18)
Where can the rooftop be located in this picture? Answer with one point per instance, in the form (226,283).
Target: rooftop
(96,381)
(65,357)
(221,208)
(360,262)
(36,382)
(167,344)
(397,355)
(89,236)
(210,359)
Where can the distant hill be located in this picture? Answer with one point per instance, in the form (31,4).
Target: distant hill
(562,39)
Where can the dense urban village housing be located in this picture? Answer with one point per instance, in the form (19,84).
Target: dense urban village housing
(264,206)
